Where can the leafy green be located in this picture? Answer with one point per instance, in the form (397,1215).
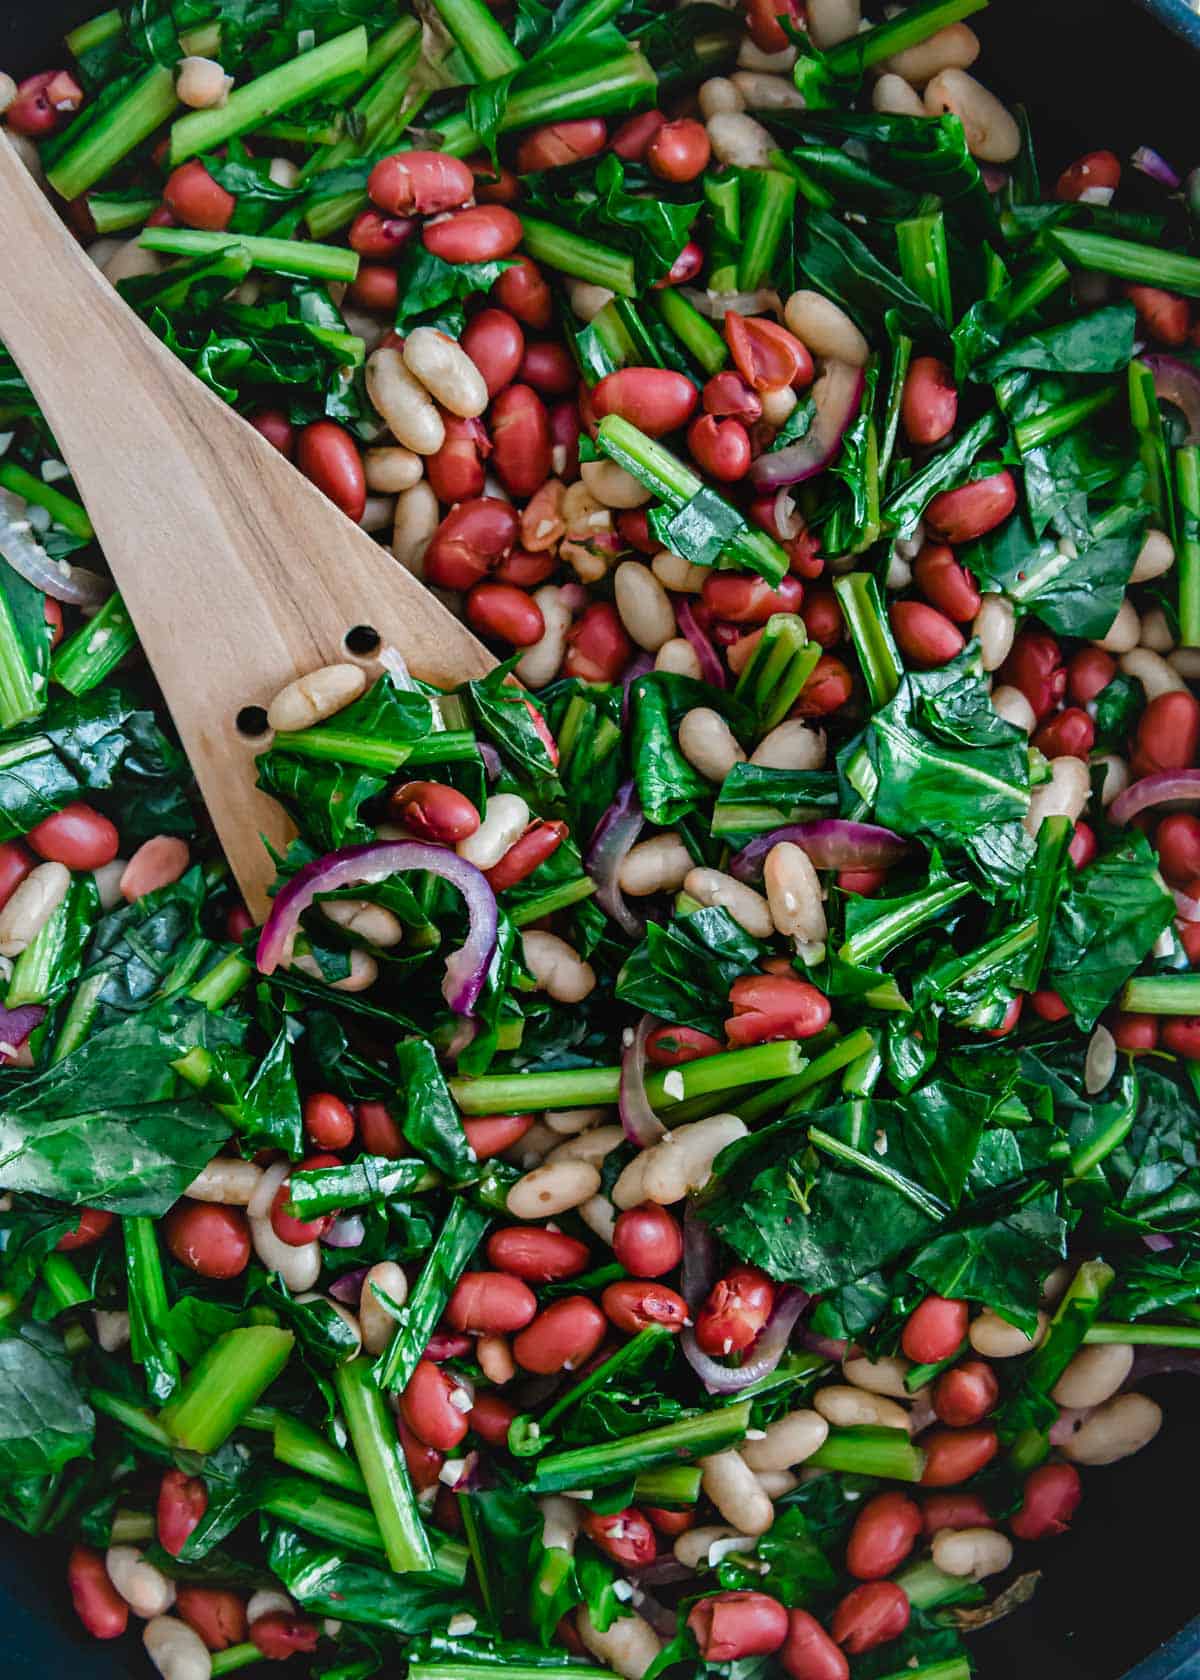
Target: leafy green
(683,969)
(798,1571)
(1107,922)
(835,261)
(329,1581)
(45,1422)
(1000,1263)
(596,199)
(427,283)
(431,1122)
(1101,342)
(1074,591)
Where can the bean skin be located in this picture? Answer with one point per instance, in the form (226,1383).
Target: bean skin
(427,1407)
(929,405)
(435,811)
(959,516)
(926,637)
(328,455)
(93,1224)
(966,1394)
(1050,1499)
(537,1256)
(871,1615)
(946,584)
(182,1502)
(884,1533)
(77,836)
(656,400)
(502,612)
(196,200)
(955,1455)
(934,1330)
(422,182)
(490,1303)
(523,291)
(521,448)
(495,343)
(491,1134)
(954,1510)
(633,1305)
(487,232)
(735,1310)
(731,1625)
(625,1536)
(562,1337)
(635,134)
(809,1653)
(98,1604)
(216,1614)
(679,151)
(208,1238)
(647,1241)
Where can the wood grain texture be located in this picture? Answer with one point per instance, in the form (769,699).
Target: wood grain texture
(238,574)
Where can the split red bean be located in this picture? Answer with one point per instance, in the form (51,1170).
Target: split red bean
(670,1046)
(558,144)
(827,689)
(935,1330)
(503,613)
(959,516)
(208,1238)
(549,367)
(182,1502)
(524,569)
(686,266)
(375,235)
(737,1307)
(656,400)
(1095,171)
(871,1615)
(540,841)
(447,1344)
(328,1121)
(284,1633)
(1035,666)
(884,1533)
(746,598)
(728,394)
(328,455)
(1084,845)
(1069,734)
(954,1510)
(925,636)
(495,343)
(43,103)
(93,1224)
(435,812)
(730,1625)
(768,356)
(929,404)
(679,151)
(76,836)
(536,1255)
(196,200)
(670,1522)
(483,234)
(772,1006)
(966,1394)
(809,1653)
(634,1305)
(491,1134)
(955,1455)
(215,1613)
(598,649)
(427,1407)
(720,448)
(15,864)
(521,443)
(647,1241)
(946,584)
(624,1536)
(523,291)
(564,439)
(456,472)
(420,183)
(635,134)
(469,540)
(98,1604)
(490,1304)
(562,1337)
(1049,1500)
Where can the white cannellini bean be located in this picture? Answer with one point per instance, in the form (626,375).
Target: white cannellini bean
(267,1601)
(832,21)
(600,1217)
(718,96)
(202,83)
(679,657)
(560,1521)
(1156,556)
(416,518)
(8,91)
(707,742)
(1125,631)
(283,172)
(495,1359)
(879,1376)
(991,130)
(825,328)
(176,1650)
(112,1329)
(996,1338)
(31,906)
(587,300)
(548,1191)
(226,1180)
(954,48)
(539,664)
(298,1266)
(892,95)
(788,1441)
(899,573)
(739,141)
(1157,634)
(403,402)
(1093,1376)
(1152,671)
(847,1407)
(390,469)
(1116,776)
(530,1149)
(692,1548)
(108,882)
(731,1485)
(557,967)
(504,821)
(128,261)
(364,971)
(1118,1429)
(569,1122)
(995,626)
(753,57)
(1014,708)
(778,404)
(1186,661)
(678,1163)
(372,922)
(793,745)
(775,1483)
(594,1145)
(376,1321)
(446,371)
(644,606)
(612,486)
(146,1590)
(627,1647)
(1064,795)
(972,1552)
(674,572)
(747,907)
(761,91)
(1100,1063)
(315,696)
(660,864)
(794,895)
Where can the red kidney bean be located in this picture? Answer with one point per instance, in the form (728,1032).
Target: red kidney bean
(934,1330)
(523,291)
(729,1625)
(1163,316)
(15,864)
(562,1337)
(822,617)
(215,1613)
(925,636)
(1189,934)
(624,1536)
(549,368)
(378,1132)
(456,471)
(446,1344)
(328,455)
(946,584)
(954,1510)
(727,393)
(635,529)
(647,1241)
(955,1455)
(495,343)
(537,1255)
(635,134)
(43,103)
(1083,847)
(770,1006)
(520,439)
(686,266)
(1176,840)
(679,151)
(1069,734)
(864,882)
(490,1303)
(720,448)
(426,1407)
(598,649)
(1048,1006)
(469,540)
(283,1633)
(929,404)
(1035,667)
(328,1121)
(737,1307)
(809,1653)
(762,20)
(884,1533)
(746,598)
(1049,1500)
(182,1502)
(564,439)
(53,614)
(196,200)
(1181,1035)
(298,1232)
(966,1394)
(157,863)
(959,516)
(422,182)
(375,287)
(482,234)
(804,557)
(1089,673)
(540,841)
(1135,1033)
(93,1224)
(98,1604)
(490,1418)
(493,188)
(1168,733)
(208,1238)
(670,1522)
(671,1046)
(524,569)
(871,1615)
(424,1463)
(656,400)
(76,836)
(434,811)
(561,143)
(492,1134)
(634,1305)
(1093,169)
(278,430)
(767,356)
(1011,1016)
(504,613)
(827,689)
(374,235)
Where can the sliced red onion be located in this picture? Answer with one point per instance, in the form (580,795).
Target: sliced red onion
(492,762)
(638,1120)
(347,1231)
(699,1259)
(614,837)
(837,394)
(831,843)
(348,1288)
(1161,1361)
(16,1026)
(764,1354)
(1186,909)
(827,1346)
(356,866)
(58,578)
(711,670)
(1158,789)
(1154,165)
(461,1475)
(788,522)
(640,665)
(714,306)
(1178,383)
(1158,1242)
(921,1413)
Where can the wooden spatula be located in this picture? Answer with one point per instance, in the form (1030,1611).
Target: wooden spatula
(237,573)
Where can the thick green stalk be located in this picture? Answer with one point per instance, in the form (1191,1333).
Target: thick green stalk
(305,1449)
(1147,264)
(20,697)
(370,1179)
(670,1484)
(555,899)
(148,1308)
(699,337)
(925,262)
(342,746)
(234,1657)
(481,40)
(62,509)
(771,681)
(867,1450)
(591,1467)
(274,256)
(381,1460)
(1145,1335)
(95,649)
(444,1264)
(607,88)
(306,1504)
(582,258)
(391,60)
(222,982)
(1042,283)
(94,33)
(913,25)
(1187,498)
(926,1587)
(723,197)
(113,215)
(102,143)
(779,1093)
(1055,422)
(911,913)
(231,1376)
(133,1419)
(769,220)
(1043,883)
(1162,994)
(63,1283)
(1146,419)
(861,604)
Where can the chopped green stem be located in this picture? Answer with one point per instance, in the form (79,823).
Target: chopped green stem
(1187,498)
(1043,886)
(556,898)
(228,1380)
(444,1263)
(112,215)
(133,1419)
(670,1484)
(94,145)
(861,604)
(868,1450)
(20,697)
(63,1283)
(1054,422)
(925,262)
(148,1307)
(342,746)
(234,1657)
(65,512)
(1126,259)
(391,59)
(303,1448)
(910,915)
(95,649)
(769,219)
(94,33)
(607,88)
(926,1587)
(582,258)
(630,1354)
(222,982)
(1146,419)
(772,678)
(869,1163)
(302,78)
(913,25)
(381,1459)
(1162,994)
(327,215)
(131,1528)
(370,1179)
(482,41)
(698,336)
(723,197)
(1145,1335)
(958,972)
(1074,1316)
(1037,287)
(306,1504)
(590,1467)
(901,357)
(784,1091)
(275,256)
(1102,1143)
